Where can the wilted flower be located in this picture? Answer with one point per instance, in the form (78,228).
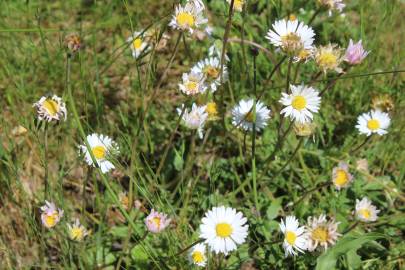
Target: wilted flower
(321,233)
(355,53)
(157,222)
(304,129)
(73,42)
(329,58)
(332,5)
(373,122)
(51,109)
(383,103)
(195,119)
(365,211)
(124,200)
(50,215)
(243,115)
(77,231)
(295,237)
(341,177)
(362,165)
(193,83)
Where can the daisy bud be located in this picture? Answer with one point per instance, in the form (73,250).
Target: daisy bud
(77,231)
(50,215)
(156,222)
(73,43)
(355,53)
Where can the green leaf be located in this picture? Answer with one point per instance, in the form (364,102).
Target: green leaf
(274,208)
(347,244)
(139,256)
(353,259)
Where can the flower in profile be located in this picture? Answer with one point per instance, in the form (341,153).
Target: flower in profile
(77,231)
(195,118)
(365,211)
(102,147)
(237,4)
(291,36)
(193,83)
(73,42)
(197,255)
(188,17)
(51,109)
(243,115)
(321,232)
(211,68)
(157,222)
(341,177)
(374,121)
(137,43)
(301,103)
(295,238)
(355,53)
(332,5)
(50,215)
(211,109)
(223,229)
(329,58)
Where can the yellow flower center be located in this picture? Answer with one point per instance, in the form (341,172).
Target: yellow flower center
(211,71)
(50,220)
(303,54)
(198,257)
(99,152)
(373,124)
(291,42)
(137,43)
(192,87)
(156,221)
(341,177)
(125,201)
(223,230)
(320,234)
(365,213)
(299,103)
(76,233)
(211,109)
(290,237)
(292,17)
(51,106)
(185,19)
(327,59)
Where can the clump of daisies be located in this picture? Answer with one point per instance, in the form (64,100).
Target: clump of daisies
(188,17)
(355,53)
(372,122)
(211,69)
(333,5)
(291,36)
(243,115)
(321,233)
(223,228)
(193,83)
(50,109)
(102,147)
(341,176)
(156,222)
(329,57)
(295,237)
(301,103)
(197,255)
(194,118)
(138,44)
(50,215)
(366,211)
(77,231)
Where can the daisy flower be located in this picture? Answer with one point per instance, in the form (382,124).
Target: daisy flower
(102,147)
(50,215)
(332,5)
(237,4)
(50,109)
(223,229)
(195,118)
(77,231)
(211,68)
(341,177)
(374,121)
(193,83)
(138,44)
(73,42)
(291,36)
(295,238)
(197,255)
(301,103)
(355,53)
(188,17)
(242,115)
(156,222)
(329,58)
(304,55)
(365,211)
(321,233)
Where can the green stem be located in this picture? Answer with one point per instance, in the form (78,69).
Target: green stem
(254,139)
(46,176)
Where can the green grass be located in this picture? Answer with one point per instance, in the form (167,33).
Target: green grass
(133,103)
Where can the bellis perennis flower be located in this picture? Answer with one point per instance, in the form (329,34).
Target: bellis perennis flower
(295,238)
(51,109)
(77,231)
(138,44)
(332,5)
(188,17)
(195,118)
(157,222)
(50,215)
(365,211)
(197,255)
(321,232)
(243,114)
(341,177)
(355,53)
(374,121)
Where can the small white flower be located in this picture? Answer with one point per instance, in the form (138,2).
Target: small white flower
(341,176)
(374,121)
(138,44)
(329,57)
(193,83)
(188,17)
(223,229)
(365,211)
(291,36)
(51,109)
(211,68)
(242,115)
(77,231)
(102,147)
(321,232)
(295,238)
(301,103)
(195,118)
(197,255)
(50,215)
